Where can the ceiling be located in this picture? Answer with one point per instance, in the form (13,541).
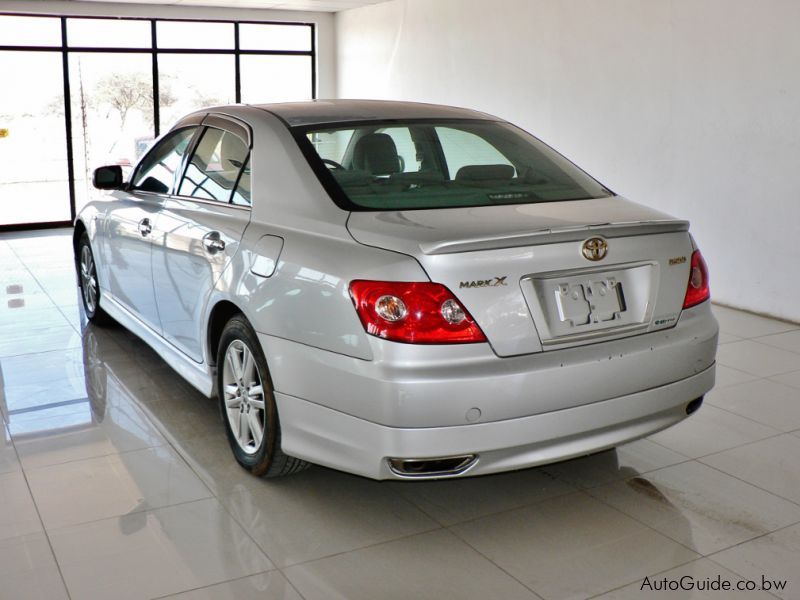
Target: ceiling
(315,5)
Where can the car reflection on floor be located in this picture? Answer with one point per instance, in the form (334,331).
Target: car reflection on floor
(192,425)
(125,405)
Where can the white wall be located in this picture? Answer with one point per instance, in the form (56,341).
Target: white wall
(691,106)
(326,49)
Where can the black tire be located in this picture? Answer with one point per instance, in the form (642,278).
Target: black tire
(87,281)
(263,458)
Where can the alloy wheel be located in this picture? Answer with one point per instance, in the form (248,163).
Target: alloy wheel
(243,396)
(88,279)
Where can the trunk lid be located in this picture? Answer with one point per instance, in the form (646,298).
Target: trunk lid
(520,271)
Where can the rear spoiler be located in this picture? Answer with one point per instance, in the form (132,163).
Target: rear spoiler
(555,236)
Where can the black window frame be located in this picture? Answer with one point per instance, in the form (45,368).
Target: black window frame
(155,51)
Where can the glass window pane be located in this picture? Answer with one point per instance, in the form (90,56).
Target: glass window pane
(464,149)
(242,194)
(274,37)
(215,166)
(194,34)
(190,81)
(30,31)
(108,33)
(158,169)
(455,164)
(275,78)
(33,149)
(406,149)
(331,145)
(112,113)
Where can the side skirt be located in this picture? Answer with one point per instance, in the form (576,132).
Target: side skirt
(195,373)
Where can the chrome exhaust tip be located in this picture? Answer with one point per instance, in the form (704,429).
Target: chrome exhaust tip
(432,467)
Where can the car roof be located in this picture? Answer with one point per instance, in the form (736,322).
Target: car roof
(318,112)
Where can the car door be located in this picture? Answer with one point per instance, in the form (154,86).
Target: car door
(130,219)
(199,230)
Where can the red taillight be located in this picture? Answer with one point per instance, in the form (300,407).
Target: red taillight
(697,290)
(413,312)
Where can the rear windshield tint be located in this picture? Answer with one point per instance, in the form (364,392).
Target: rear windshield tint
(428,164)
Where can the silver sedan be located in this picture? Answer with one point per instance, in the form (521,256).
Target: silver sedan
(398,290)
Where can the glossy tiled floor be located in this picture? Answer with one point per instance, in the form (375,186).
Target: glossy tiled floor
(116,482)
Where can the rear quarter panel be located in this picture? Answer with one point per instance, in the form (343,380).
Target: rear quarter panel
(306,299)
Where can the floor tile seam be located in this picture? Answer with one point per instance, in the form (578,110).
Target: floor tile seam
(697,551)
(736,414)
(97,456)
(68,347)
(754,314)
(44,529)
(734,571)
(648,526)
(757,375)
(698,461)
(754,378)
(75,326)
(573,489)
(624,585)
(589,496)
(173,444)
(772,378)
(61,528)
(756,338)
(572,492)
(42,287)
(203,587)
(27,330)
(405,536)
(755,485)
(500,567)
(755,341)
(399,495)
(594,486)
(769,437)
(284,568)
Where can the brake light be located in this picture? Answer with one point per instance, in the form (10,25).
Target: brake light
(413,312)
(697,289)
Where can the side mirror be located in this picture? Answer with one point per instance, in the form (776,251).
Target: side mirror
(108,178)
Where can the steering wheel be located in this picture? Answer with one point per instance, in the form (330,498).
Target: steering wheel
(332,163)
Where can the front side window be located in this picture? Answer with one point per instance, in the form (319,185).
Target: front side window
(429,164)
(215,166)
(156,173)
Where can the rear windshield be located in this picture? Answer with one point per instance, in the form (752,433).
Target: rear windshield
(430,164)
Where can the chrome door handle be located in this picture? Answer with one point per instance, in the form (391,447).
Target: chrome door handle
(213,242)
(144,227)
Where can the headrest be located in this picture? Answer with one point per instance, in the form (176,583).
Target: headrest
(376,153)
(484,172)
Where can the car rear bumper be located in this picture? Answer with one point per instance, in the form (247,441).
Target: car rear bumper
(416,386)
(341,441)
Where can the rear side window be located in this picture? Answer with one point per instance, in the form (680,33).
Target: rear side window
(215,166)
(157,171)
